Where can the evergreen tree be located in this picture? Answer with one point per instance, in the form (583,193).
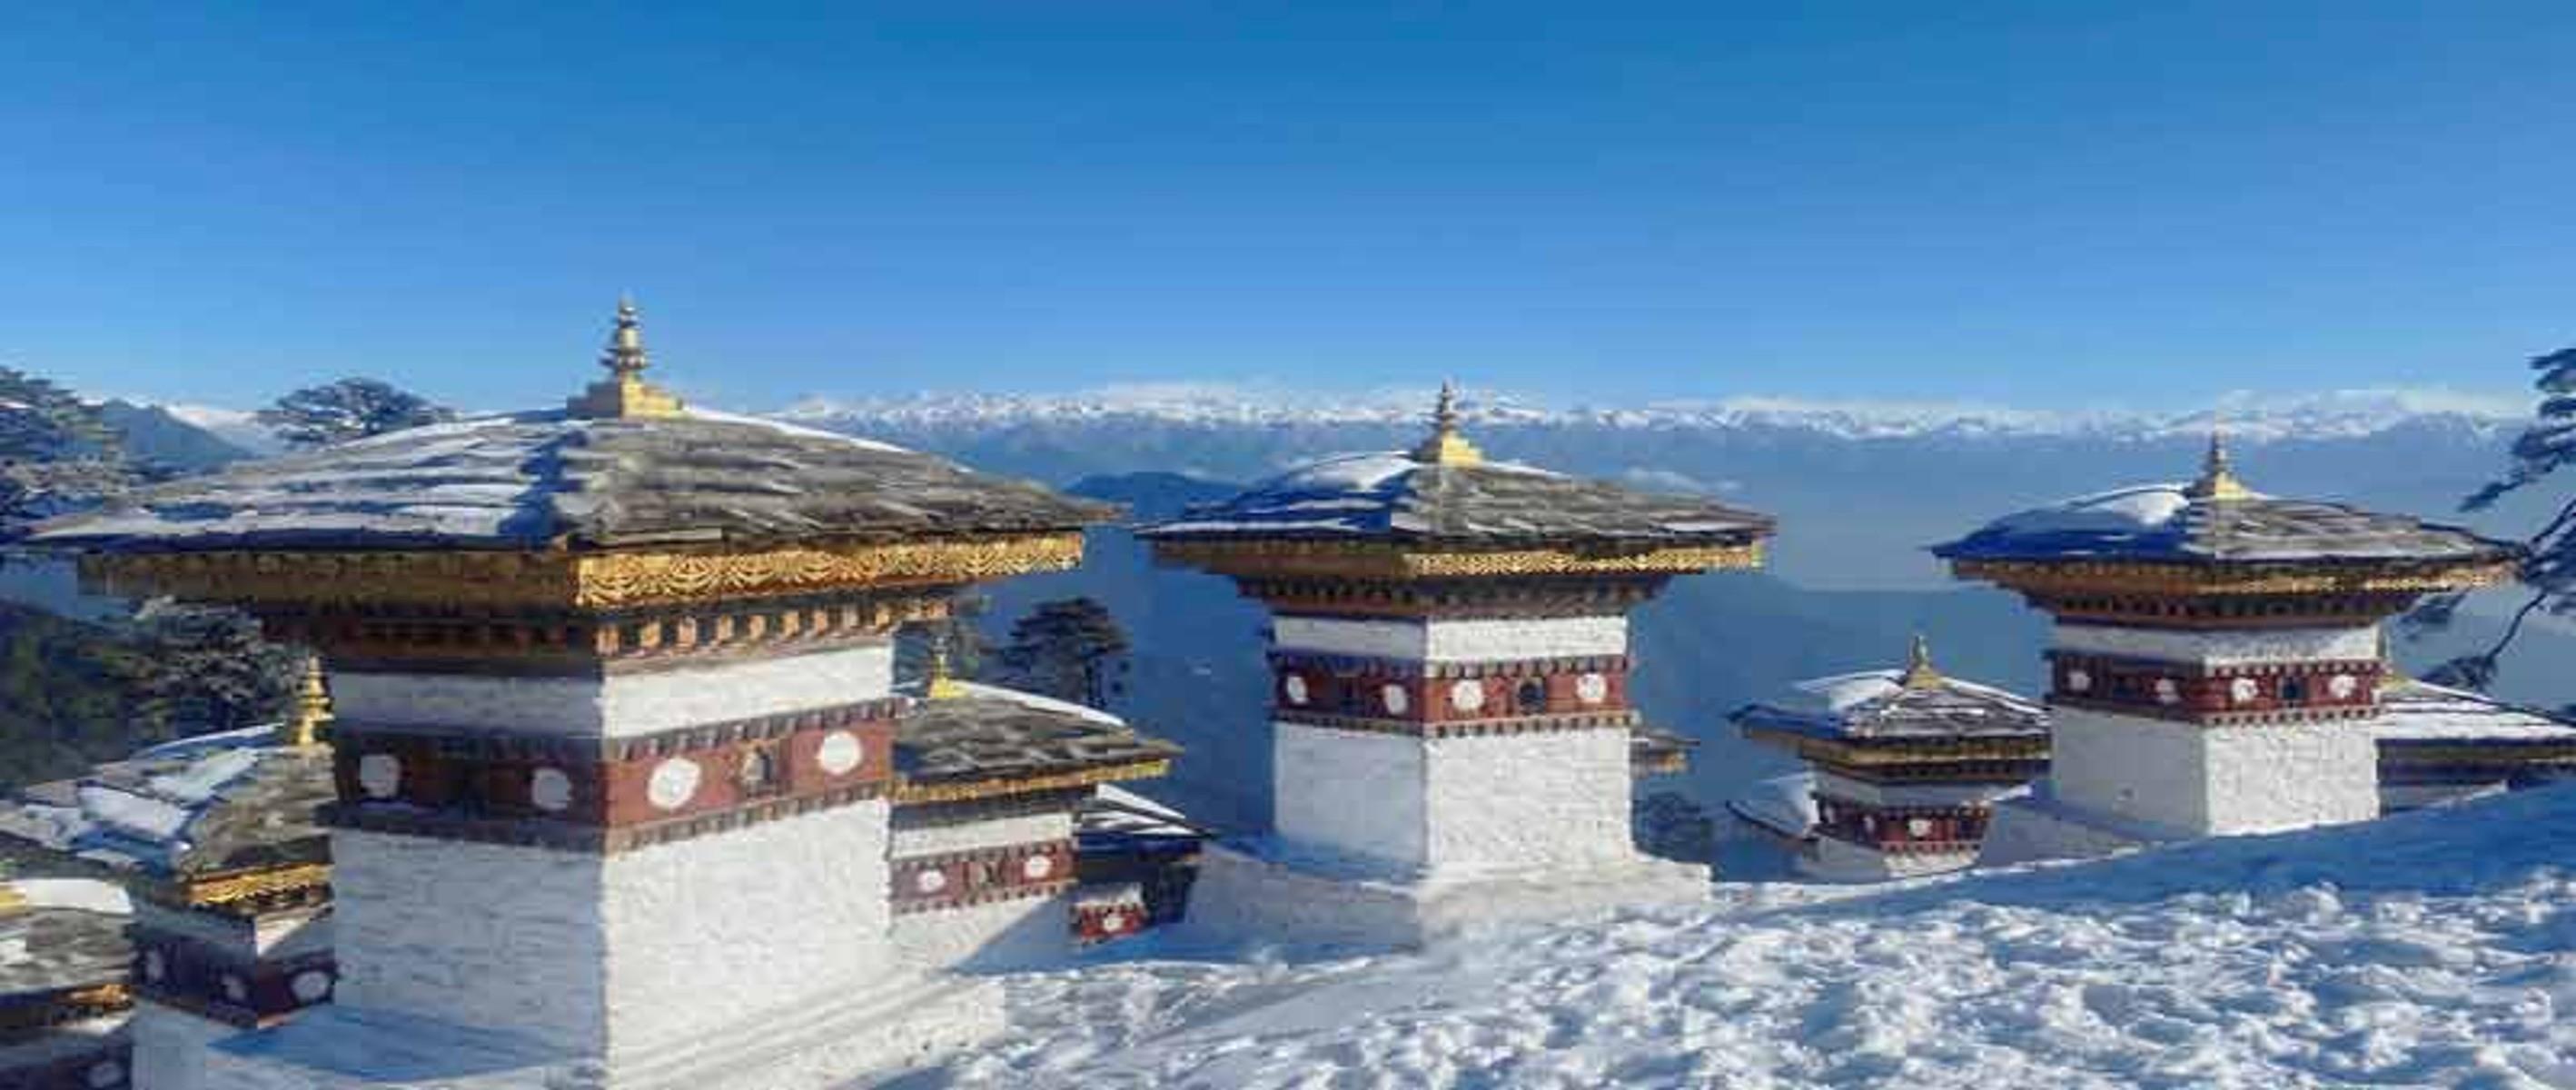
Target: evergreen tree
(57,456)
(1071,649)
(2549,572)
(210,670)
(352,408)
(968,652)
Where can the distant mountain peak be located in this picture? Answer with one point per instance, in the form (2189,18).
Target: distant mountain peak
(2343,414)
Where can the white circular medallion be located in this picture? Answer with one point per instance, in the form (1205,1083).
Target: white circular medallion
(930,881)
(379,775)
(1918,827)
(311,986)
(1037,867)
(1467,695)
(550,790)
(1592,688)
(106,1073)
(1397,700)
(840,753)
(2343,686)
(2243,690)
(2167,692)
(154,968)
(1295,687)
(1114,922)
(2079,681)
(674,782)
(236,990)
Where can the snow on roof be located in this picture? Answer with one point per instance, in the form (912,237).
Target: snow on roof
(539,478)
(215,802)
(2166,522)
(2416,711)
(993,733)
(1397,495)
(1783,804)
(1877,704)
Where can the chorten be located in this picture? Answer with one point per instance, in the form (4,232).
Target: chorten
(1450,701)
(2216,666)
(613,754)
(1907,765)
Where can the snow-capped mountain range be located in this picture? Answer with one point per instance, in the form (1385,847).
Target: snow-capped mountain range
(2341,414)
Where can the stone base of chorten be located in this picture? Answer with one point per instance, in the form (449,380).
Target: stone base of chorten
(2037,828)
(882,1029)
(1829,860)
(1259,892)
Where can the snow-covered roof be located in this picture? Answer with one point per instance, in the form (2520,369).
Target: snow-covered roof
(51,944)
(2170,523)
(546,478)
(1783,804)
(2414,711)
(1400,496)
(1880,705)
(201,805)
(989,733)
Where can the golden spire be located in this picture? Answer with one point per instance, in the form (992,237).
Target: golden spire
(940,686)
(2390,673)
(1446,447)
(624,394)
(2218,480)
(303,727)
(1919,673)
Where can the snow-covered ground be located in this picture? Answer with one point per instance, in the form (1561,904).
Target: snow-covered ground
(2430,949)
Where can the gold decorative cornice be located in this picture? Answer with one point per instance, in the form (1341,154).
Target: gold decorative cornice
(237,886)
(1399,561)
(907,792)
(1898,752)
(566,580)
(2057,577)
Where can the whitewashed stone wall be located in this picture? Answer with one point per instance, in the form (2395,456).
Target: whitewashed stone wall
(2190,780)
(1350,793)
(2223,648)
(1472,640)
(768,920)
(473,934)
(1837,861)
(622,704)
(1550,800)
(170,1046)
(989,833)
(1018,934)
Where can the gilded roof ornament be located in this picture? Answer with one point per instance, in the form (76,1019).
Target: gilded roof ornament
(1446,447)
(1919,672)
(940,684)
(303,727)
(2218,480)
(624,395)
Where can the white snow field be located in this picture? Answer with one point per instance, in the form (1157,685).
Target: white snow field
(2431,949)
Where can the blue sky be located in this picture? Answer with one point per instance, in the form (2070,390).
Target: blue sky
(2048,204)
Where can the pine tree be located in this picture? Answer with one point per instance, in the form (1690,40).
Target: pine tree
(1071,649)
(57,456)
(352,408)
(2549,571)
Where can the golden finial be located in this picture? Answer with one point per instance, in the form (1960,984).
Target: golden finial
(941,686)
(2218,480)
(303,727)
(624,394)
(1919,673)
(1446,447)
(2390,673)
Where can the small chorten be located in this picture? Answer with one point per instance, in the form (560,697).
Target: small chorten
(302,728)
(1445,446)
(624,395)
